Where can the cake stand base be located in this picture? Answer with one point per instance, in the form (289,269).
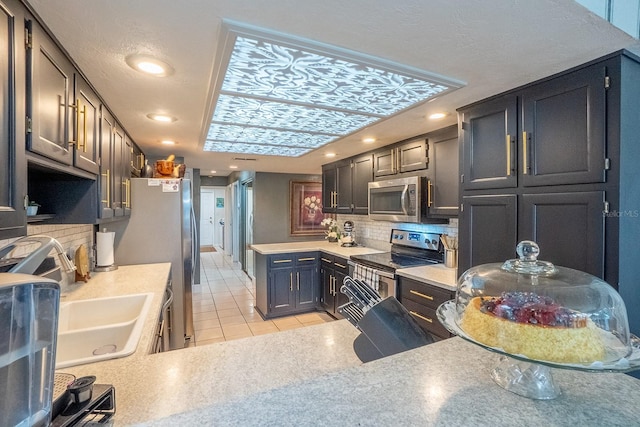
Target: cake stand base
(525,379)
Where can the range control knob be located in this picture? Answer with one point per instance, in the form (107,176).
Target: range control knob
(434,242)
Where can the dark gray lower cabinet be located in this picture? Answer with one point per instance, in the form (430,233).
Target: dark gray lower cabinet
(488,229)
(333,270)
(567,226)
(422,300)
(286,283)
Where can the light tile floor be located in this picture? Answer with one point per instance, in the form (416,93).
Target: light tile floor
(223,304)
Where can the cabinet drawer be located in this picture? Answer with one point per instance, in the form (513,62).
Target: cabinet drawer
(426,318)
(306,258)
(430,296)
(340,265)
(281,260)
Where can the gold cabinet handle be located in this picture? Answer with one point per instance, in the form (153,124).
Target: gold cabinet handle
(108,200)
(128,193)
(325,260)
(508,155)
(298,279)
(332,285)
(524,153)
(278,261)
(420,294)
(340,265)
(291,282)
(84,123)
(429,194)
(426,319)
(306,259)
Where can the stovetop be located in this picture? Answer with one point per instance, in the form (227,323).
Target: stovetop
(408,249)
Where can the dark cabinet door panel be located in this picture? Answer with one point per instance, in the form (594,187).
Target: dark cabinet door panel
(86,127)
(568,227)
(50,78)
(442,196)
(488,138)
(489,224)
(329,182)
(563,129)
(13,175)
(413,156)
(384,163)
(281,289)
(361,176)
(306,284)
(343,187)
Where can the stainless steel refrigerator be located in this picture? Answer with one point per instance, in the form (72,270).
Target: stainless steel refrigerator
(162,228)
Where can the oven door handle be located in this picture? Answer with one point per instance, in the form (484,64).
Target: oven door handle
(404,199)
(380,272)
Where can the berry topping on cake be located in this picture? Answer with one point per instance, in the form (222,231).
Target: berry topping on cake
(531,308)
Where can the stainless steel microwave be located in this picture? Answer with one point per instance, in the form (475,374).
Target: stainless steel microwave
(396,200)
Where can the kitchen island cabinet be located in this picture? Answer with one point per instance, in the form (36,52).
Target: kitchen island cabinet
(286,283)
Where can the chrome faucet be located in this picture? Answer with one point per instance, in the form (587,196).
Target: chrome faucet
(31,262)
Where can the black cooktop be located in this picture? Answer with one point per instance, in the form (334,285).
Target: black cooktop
(408,249)
(390,261)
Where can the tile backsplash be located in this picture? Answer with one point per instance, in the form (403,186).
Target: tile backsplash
(70,236)
(375,234)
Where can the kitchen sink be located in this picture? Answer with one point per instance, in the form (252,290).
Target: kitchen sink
(99,329)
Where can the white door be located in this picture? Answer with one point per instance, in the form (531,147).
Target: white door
(207,206)
(213,202)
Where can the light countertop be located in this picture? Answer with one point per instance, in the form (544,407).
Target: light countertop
(315,245)
(311,376)
(442,384)
(437,275)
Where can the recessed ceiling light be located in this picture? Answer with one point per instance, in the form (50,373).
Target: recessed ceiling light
(149,65)
(278,94)
(436,116)
(213,171)
(162,118)
(330,155)
(368,140)
(168,142)
(233,167)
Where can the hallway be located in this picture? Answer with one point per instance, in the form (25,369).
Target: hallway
(223,304)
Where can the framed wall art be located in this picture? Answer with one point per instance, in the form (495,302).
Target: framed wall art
(306,209)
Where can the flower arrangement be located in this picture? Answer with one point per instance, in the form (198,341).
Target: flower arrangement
(312,204)
(332,232)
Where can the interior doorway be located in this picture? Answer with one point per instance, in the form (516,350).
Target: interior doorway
(212,217)
(246,227)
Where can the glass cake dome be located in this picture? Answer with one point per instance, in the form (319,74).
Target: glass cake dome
(534,311)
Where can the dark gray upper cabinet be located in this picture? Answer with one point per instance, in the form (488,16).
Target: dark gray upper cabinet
(344,189)
(105,187)
(407,156)
(488,137)
(563,130)
(86,130)
(362,174)
(344,185)
(443,184)
(13,220)
(50,79)
(329,183)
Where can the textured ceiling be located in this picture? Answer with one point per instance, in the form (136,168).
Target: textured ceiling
(492,45)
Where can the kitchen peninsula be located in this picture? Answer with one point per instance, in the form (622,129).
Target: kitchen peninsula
(311,376)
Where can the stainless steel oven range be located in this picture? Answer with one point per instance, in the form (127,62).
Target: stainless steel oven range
(408,249)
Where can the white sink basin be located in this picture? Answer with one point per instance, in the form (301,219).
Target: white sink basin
(100,329)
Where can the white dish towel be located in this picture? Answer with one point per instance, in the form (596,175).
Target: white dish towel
(368,275)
